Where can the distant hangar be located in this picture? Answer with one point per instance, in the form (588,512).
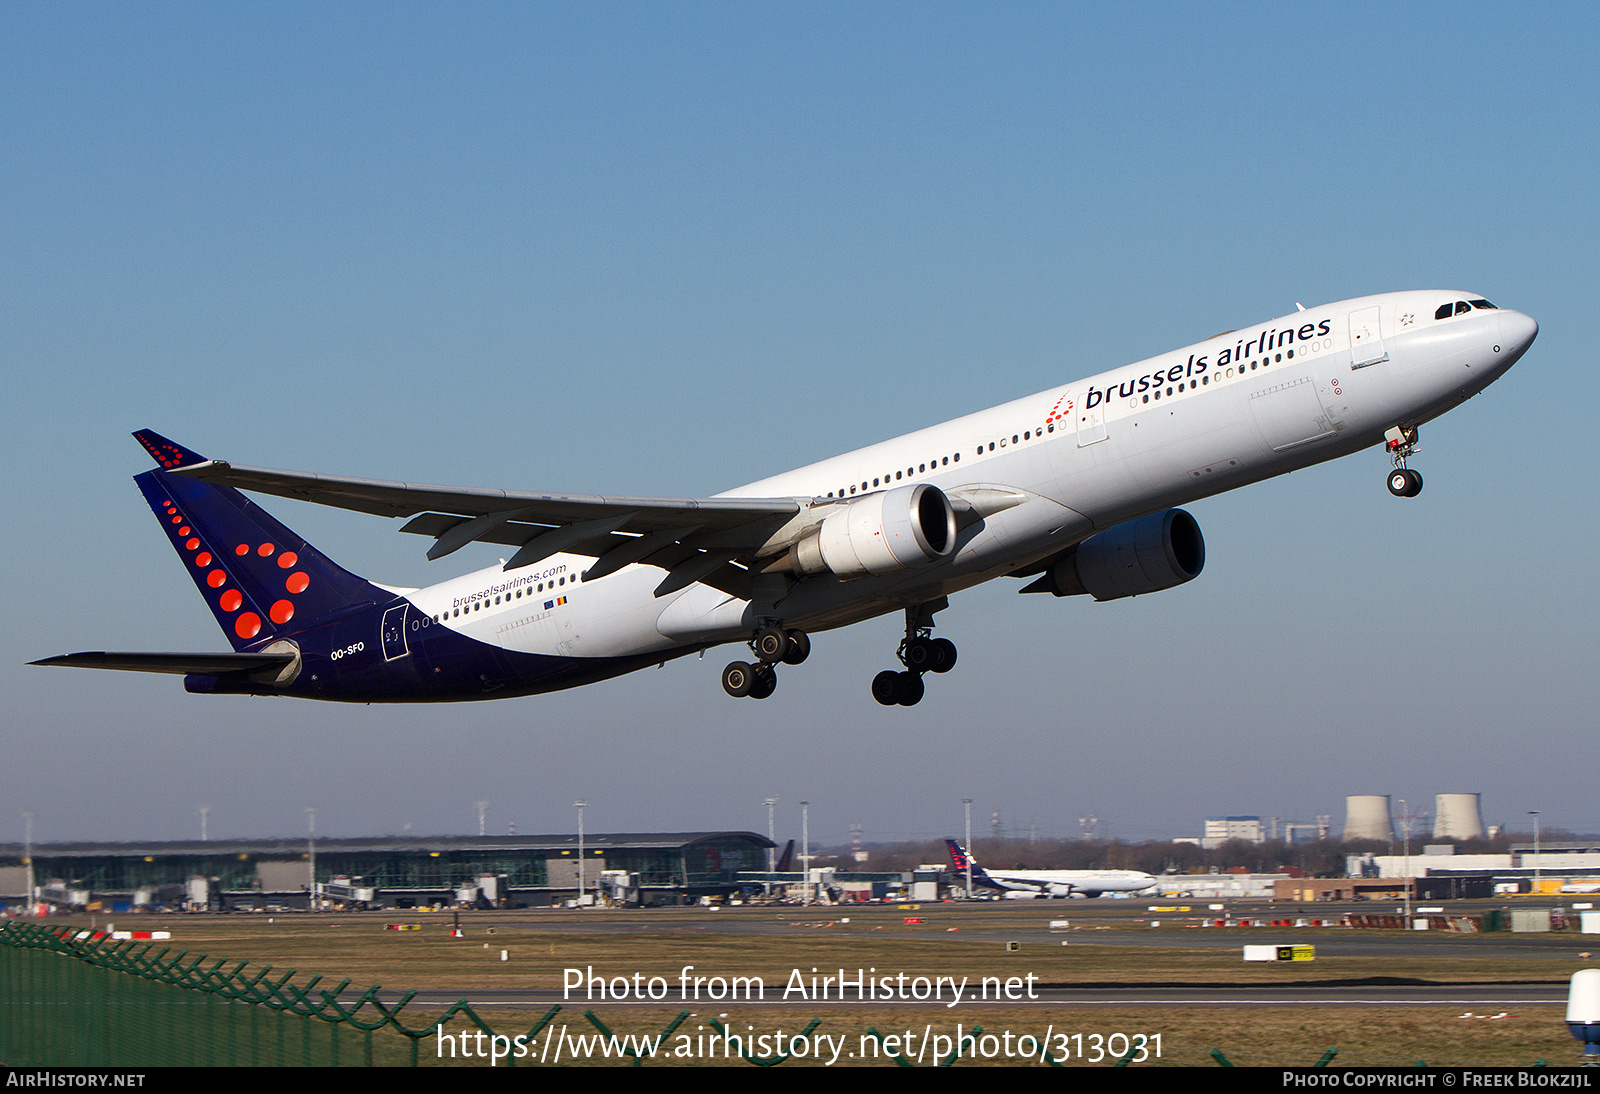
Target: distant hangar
(400,871)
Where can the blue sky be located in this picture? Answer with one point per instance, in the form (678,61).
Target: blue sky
(648,249)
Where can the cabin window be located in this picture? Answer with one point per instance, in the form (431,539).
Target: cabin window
(1462,307)
(1443,312)
(1483,304)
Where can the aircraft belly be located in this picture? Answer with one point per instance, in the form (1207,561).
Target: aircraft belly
(1093,478)
(1180,449)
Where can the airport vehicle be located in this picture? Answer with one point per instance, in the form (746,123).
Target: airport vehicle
(1074,487)
(1063,883)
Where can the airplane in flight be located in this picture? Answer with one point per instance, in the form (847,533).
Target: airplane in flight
(1073,883)
(1075,488)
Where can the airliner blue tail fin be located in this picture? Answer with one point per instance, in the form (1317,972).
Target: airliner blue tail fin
(262,581)
(961,860)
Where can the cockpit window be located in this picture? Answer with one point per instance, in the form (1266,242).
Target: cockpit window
(1462,307)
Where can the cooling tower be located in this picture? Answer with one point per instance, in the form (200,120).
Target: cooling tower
(1366,816)
(1457,816)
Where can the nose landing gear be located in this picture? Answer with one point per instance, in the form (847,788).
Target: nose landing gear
(919,652)
(1401,443)
(771,645)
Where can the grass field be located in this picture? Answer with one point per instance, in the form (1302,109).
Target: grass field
(533,949)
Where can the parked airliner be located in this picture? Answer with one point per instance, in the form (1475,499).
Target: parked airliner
(1086,883)
(1074,487)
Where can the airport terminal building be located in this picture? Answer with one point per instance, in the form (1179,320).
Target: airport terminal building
(388,871)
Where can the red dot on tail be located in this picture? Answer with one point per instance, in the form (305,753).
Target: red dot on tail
(247,625)
(242,549)
(216,579)
(231,600)
(184,531)
(192,544)
(297,582)
(203,559)
(265,549)
(288,559)
(177,520)
(282,612)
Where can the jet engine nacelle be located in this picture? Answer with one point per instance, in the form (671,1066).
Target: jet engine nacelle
(881,533)
(1059,890)
(1138,556)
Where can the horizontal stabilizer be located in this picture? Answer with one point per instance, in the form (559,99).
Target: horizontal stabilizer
(168,454)
(179,664)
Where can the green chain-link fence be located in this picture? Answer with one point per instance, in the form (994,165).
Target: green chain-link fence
(68,997)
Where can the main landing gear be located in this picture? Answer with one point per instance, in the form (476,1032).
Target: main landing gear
(1401,443)
(771,645)
(919,652)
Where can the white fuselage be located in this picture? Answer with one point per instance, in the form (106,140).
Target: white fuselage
(1067,882)
(1232,410)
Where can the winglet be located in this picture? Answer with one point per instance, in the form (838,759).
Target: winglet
(168,454)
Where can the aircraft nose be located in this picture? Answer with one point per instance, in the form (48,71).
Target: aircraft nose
(1517,332)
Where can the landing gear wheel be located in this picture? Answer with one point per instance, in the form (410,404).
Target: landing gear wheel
(738,678)
(910,689)
(770,643)
(799,648)
(763,682)
(944,655)
(918,655)
(1405,483)
(886,687)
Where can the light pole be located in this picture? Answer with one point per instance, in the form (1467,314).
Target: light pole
(1405,828)
(1537,858)
(311,851)
(27,858)
(805,845)
(773,850)
(967,804)
(578,805)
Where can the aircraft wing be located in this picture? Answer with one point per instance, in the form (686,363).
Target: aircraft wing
(693,539)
